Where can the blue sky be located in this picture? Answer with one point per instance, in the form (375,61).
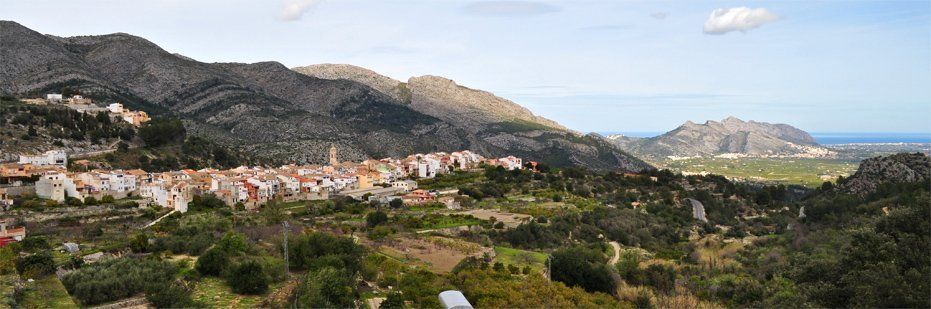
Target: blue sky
(823,66)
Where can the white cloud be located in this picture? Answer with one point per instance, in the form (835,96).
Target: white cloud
(508,8)
(294,9)
(660,15)
(741,19)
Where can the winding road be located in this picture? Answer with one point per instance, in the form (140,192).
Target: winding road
(617,252)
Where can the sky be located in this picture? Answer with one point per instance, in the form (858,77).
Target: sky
(594,66)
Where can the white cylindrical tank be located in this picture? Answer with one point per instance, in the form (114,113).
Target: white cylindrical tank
(454,300)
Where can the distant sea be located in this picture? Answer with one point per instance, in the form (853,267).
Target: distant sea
(870,138)
(831,138)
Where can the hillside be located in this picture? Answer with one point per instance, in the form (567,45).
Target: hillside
(892,169)
(729,136)
(436,96)
(272,112)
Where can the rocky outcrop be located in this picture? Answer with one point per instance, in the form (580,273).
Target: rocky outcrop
(436,96)
(275,113)
(897,168)
(396,89)
(730,135)
(468,108)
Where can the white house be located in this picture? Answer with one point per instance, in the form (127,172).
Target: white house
(51,157)
(115,108)
(53,97)
(511,163)
(56,187)
(406,185)
(121,182)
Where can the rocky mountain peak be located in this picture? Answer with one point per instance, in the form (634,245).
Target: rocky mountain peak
(730,135)
(384,84)
(897,168)
(437,96)
(732,119)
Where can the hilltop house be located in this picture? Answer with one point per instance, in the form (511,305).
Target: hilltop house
(53,97)
(51,157)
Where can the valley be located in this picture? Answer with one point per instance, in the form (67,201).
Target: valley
(232,159)
(808,172)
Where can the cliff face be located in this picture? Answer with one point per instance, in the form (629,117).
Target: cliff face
(273,112)
(730,135)
(897,168)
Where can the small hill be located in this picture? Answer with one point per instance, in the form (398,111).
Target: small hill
(897,168)
(730,135)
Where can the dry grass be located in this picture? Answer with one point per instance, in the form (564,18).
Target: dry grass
(712,252)
(679,299)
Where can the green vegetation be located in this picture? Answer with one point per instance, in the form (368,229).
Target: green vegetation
(452,180)
(117,279)
(521,258)
(489,288)
(754,250)
(47,292)
(582,267)
(800,171)
(214,293)
(25,125)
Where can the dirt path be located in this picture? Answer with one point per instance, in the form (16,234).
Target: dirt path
(159,219)
(617,253)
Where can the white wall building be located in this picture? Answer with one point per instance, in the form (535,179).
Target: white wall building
(56,187)
(406,185)
(51,157)
(115,108)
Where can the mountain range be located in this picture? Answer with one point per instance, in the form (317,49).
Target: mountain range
(729,136)
(271,111)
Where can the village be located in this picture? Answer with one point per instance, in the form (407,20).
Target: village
(47,177)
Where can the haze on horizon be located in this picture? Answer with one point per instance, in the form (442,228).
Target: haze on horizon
(827,66)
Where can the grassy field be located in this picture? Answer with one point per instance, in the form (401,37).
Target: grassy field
(520,258)
(7,297)
(46,293)
(801,171)
(214,293)
(442,222)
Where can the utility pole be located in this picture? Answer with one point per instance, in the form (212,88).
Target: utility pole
(287,267)
(549,268)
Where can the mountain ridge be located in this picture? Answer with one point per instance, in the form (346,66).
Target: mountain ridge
(728,136)
(272,111)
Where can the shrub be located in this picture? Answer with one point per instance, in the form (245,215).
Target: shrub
(376,218)
(248,278)
(117,279)
(583,267)
(35,265)
(172,295)
(212,263)
(325,288)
